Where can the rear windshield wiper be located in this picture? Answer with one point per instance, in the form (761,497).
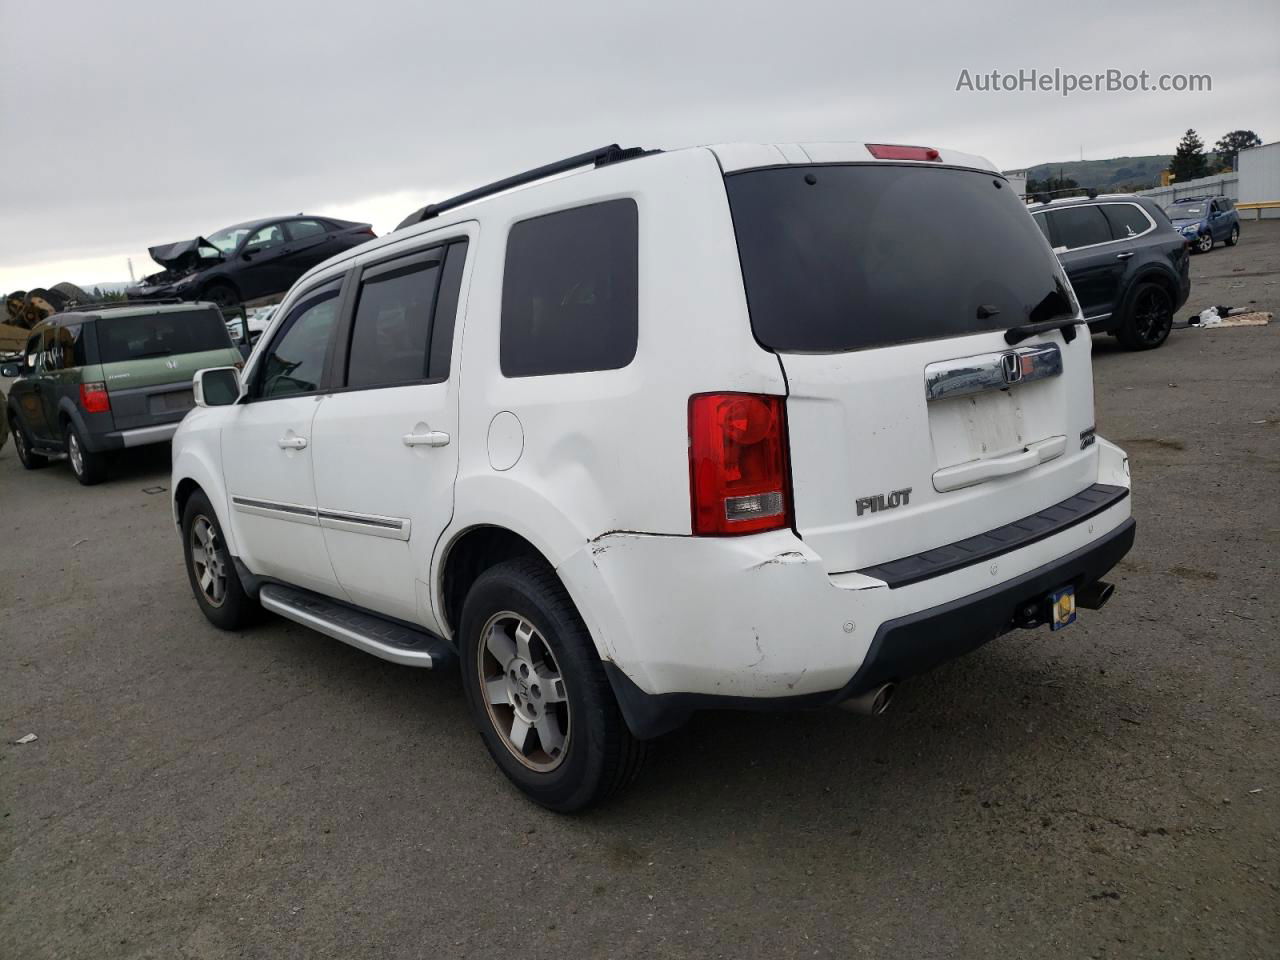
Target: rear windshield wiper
(153,353)
(1018,334)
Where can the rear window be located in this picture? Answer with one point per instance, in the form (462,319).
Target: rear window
(160,335)
(838,258)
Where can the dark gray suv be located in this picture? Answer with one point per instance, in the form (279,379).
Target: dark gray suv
(1131,270)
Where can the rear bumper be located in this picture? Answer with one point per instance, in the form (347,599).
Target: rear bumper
(902,647)
(137,437)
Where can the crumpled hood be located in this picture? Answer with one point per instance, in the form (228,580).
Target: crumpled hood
(183,255)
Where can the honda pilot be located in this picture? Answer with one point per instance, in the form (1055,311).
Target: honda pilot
(733,427)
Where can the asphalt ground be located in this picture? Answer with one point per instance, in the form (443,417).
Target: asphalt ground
(1112,790)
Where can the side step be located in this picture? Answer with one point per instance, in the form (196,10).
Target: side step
(388,639)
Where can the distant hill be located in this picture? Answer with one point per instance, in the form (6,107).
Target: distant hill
(1118,173)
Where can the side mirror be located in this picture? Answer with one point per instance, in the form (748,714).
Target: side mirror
(216,386)
(9,370)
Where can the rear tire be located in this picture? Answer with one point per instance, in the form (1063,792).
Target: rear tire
(89,467)
(1234,238)
(210,569)
(538,692)
(1147,317)
(29,459)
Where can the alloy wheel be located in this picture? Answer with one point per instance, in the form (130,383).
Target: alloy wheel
(1205,243)
(75,454)
(524,691)
(207,561)
(1152,316)
(20,444)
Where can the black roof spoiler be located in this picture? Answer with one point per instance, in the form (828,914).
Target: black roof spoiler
(598,157)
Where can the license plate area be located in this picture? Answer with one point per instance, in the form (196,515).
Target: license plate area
(177,401)
(1062,608)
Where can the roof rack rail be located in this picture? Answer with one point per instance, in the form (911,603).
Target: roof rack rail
(598,157)
(102,304)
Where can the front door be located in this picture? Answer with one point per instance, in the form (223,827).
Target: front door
(28,392)
(264,263)
(267,451)
(385,445)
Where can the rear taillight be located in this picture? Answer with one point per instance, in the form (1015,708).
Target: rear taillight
(94,399)
(889,151)
(738,470)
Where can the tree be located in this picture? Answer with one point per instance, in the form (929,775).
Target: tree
(1189,160)
(1230,144)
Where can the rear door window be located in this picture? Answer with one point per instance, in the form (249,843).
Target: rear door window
(570,291)
(160,335)
(391,333)
(305,229)
(838,258)
(1126,220)
(65,348)
(1076,227)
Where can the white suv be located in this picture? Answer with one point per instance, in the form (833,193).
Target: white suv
(743,426)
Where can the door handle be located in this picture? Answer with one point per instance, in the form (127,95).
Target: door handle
(1124,256)
(292,443)
(432,438)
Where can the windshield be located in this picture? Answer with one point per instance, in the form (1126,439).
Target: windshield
(160,335)
(227,240)
(1185,211)
(838,258)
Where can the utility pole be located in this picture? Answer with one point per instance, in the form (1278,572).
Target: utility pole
(131,279)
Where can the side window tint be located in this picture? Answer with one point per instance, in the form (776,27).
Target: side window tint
(569,294)
(1080,227)
(265,239)
(1126,220)
(295,363)
(64,348)
(392,327)
(447,304)
(305,229)
(31,353)
(1042,221)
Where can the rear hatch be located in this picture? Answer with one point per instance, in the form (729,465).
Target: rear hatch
(148,361)
(886,290)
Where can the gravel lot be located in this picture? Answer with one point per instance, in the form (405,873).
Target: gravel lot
(1112,791)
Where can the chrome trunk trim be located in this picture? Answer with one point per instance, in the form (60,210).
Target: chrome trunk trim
(991,371)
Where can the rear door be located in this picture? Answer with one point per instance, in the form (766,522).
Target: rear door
(385,442)
(148,361)
(886,291)
(267,452)
(1083,240)
(309,242)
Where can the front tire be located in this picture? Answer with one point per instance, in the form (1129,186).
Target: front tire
(1204,242)
(538,692)
(210,569)
(1147,318)
(89,467)
(29,459)
(223,294)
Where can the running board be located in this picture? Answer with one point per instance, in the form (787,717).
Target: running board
(366,631)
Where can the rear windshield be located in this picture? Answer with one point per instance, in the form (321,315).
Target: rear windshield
(160,335)
(839,258)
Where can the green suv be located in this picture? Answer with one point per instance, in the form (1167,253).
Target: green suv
(103,378)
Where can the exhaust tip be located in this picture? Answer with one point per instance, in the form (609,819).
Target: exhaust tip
(1095,595)
(873,702)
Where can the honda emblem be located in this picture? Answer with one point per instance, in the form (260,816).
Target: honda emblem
(1012,365)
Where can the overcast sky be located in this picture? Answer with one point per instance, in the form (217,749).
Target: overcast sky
(125,125)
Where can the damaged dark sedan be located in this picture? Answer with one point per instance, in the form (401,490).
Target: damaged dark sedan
(248,262)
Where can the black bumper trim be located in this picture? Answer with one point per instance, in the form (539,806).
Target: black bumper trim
(986,546)
(901,648)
